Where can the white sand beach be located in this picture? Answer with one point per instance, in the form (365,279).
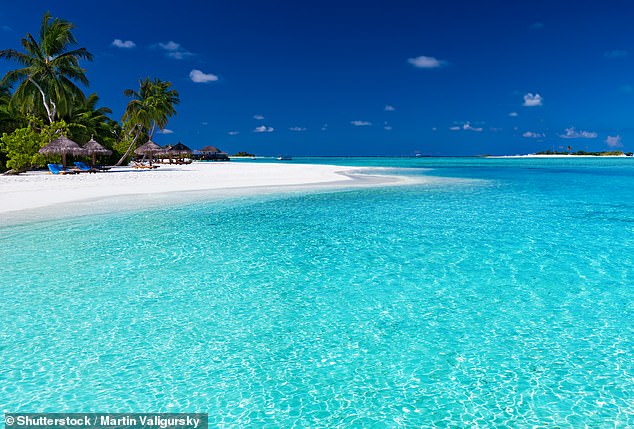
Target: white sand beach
(39,190)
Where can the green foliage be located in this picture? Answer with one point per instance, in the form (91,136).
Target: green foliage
(49,70)
(150,107)
(21,146)
(47,101)
(243,153)
(88,121)
(581,152)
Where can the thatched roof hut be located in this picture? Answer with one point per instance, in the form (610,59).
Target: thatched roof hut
(62,146)
(149,148)
(180,149)
(94,148)
(210,149)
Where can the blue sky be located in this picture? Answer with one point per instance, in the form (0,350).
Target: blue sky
(365,77)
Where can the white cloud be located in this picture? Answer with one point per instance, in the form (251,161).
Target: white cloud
(297,129)
(200,77)
(204,123)
(423,62)
(466,127)
(258,117)
(513,115)
(165,131)
(179,55)
(6,28)
(263,129)
(614,141)
(571,133)
(175,50)
(616,53)
(324,127)
(125,44)
(387,128)
(532,135)
(361,123)
(233,133)
(170,46)
(533,100)
(389,108)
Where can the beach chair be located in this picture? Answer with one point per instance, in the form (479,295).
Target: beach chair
(143,166)
(84,168)
(59,169)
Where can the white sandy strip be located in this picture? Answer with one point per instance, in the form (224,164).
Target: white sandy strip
(30,191)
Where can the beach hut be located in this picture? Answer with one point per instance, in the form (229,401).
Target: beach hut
(212,153)
(94,148)
(179,150)
(62,146)
(149,148)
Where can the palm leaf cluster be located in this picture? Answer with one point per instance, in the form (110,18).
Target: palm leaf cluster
(152,105)
(50,70)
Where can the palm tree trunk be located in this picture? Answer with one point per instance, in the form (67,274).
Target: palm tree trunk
(50,113)
(127,152)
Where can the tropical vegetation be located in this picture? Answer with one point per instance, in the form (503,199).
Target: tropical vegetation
(43,98)
(584,153)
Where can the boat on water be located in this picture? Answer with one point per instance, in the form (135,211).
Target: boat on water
(284,158)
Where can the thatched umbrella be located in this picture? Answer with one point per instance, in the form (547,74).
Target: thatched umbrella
(62,145)
(180,149)
(94,148)
(149,148)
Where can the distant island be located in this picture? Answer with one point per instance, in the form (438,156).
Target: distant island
(584,153)
(244,154)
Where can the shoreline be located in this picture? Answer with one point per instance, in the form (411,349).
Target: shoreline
(41,196)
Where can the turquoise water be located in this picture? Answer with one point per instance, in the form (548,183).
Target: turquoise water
(502,299)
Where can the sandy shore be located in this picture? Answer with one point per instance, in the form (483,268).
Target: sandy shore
(40,190)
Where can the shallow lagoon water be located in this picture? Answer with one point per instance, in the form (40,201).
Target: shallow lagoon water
(504,298)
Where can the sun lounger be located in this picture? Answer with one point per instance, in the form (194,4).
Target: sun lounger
(83,168)
(143,166)
(59,169)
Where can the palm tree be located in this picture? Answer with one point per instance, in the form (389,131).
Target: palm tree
(87,120)
(9,118)
(50,70)
(150,107)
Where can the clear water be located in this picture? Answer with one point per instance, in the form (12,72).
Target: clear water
(503,299)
